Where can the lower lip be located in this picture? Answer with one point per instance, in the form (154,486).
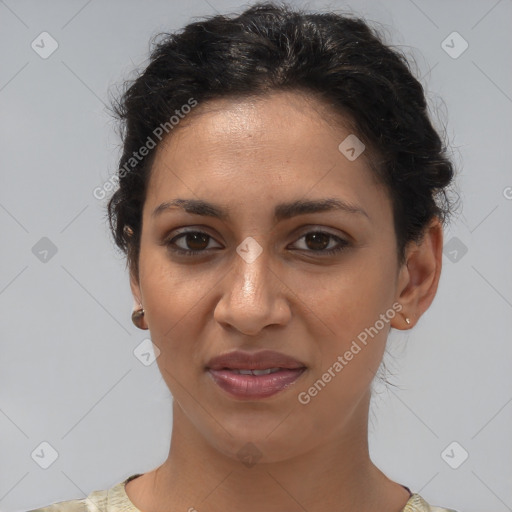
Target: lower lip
(255,386)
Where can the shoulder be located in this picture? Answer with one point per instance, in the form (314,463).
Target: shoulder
(417,504)
(97,501)
(113,499)
(78,505)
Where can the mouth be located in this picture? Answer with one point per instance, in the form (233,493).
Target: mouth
(245,375)
(254,371)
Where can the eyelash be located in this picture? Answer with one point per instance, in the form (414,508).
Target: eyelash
(342,244)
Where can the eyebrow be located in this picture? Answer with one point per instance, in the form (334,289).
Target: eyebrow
(282,211)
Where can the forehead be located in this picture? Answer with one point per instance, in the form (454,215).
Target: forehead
(283,144)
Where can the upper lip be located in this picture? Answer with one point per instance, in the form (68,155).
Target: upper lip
(238,360)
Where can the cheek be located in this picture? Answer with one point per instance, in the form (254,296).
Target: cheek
(347,362)
(352,297)
(355,303)
(173,303)
(172,298)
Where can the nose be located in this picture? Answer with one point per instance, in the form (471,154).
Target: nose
(253,297)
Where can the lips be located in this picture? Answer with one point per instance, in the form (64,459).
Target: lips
(263,360)
(245,375)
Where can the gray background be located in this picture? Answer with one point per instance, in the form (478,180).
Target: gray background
(69,376)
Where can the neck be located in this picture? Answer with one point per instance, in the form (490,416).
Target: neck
(336,475)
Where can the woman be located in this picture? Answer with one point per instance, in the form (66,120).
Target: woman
(281,200)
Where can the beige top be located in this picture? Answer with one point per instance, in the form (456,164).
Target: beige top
(115,499)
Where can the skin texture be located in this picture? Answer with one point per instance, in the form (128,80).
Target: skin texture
(247,156)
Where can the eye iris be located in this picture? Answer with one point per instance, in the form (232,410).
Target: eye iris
(320,241)
(197,241)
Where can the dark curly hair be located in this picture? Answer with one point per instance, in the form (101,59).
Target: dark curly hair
(269,47)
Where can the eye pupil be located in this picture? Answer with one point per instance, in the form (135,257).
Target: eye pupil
(320,241)
(197,241)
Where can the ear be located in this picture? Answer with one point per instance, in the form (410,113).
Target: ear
(135,287)
(419,275)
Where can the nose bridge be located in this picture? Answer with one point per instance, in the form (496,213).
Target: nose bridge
(250,280)
(251,297)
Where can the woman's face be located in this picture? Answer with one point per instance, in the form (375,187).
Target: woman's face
(287,288)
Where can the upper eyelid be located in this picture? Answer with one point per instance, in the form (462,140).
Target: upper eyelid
(186,232)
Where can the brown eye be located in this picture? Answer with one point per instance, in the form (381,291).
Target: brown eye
(196,241)
(191,242)
(317,241)
(323,243)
